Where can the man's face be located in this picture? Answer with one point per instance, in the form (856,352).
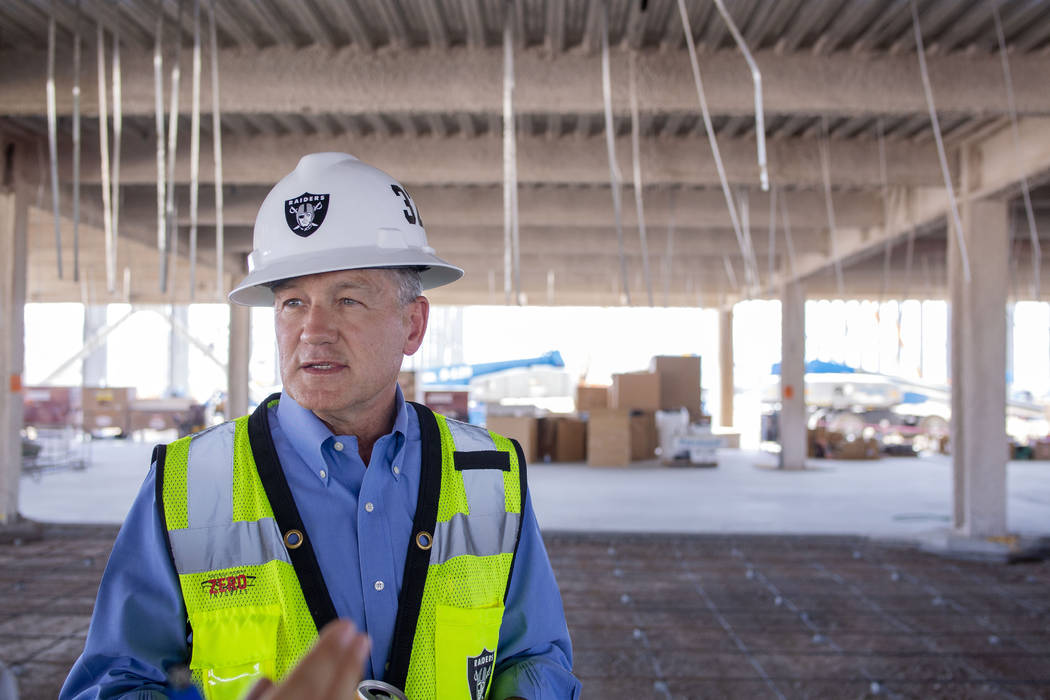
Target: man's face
(341,337)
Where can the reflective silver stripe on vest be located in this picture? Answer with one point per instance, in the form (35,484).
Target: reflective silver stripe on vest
(209,477)
(476,535)
(484,487)
(244,543)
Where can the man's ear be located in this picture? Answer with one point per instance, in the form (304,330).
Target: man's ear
(417,312)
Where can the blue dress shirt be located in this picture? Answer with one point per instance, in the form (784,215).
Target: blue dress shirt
(360,521)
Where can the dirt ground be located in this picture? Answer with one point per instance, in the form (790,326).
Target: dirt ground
(666,616)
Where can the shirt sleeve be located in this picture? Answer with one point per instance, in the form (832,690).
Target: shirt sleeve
(535,653)
(138,628)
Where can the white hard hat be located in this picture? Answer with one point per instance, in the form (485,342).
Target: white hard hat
(334,212)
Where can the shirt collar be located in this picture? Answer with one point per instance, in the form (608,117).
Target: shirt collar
(307,433)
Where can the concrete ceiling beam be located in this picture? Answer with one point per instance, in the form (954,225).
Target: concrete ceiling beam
(680,161)
(350,81)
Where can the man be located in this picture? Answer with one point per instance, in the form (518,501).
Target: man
(336,498)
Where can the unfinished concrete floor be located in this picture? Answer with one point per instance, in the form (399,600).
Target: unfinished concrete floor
(675,616)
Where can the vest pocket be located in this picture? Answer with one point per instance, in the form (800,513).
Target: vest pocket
(233,648)
(465,642)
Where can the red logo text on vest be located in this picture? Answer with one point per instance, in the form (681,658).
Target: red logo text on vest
(238,583)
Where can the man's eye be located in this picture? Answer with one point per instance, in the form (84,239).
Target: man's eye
(347,301)
(291,302)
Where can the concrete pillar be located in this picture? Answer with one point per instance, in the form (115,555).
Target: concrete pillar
(978,369)
(14,215)
(179,353)
(725,366)
(93,366)
(240,353)
(792,377)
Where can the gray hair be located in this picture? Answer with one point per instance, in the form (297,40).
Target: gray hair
(408,280)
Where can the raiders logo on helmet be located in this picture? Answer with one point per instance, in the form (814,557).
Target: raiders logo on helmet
(305,213)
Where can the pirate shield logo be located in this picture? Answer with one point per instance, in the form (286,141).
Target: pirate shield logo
(305,213)
(479,670)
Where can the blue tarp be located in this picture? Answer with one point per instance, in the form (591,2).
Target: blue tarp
(820,367)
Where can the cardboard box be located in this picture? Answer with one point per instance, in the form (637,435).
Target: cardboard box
(679,382)
(524,429)
(50,406)
(643,435)
(1040,449)
(590,398)
(856,449)
(106,408)
(409,385)
(546,435)
(451,404)
(609,438)
(636,391)
(570,440)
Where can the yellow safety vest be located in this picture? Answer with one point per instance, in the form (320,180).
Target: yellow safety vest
(254,593)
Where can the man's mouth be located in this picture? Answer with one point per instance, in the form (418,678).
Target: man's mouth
(321,366)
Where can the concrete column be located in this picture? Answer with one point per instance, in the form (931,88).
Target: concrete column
(792,377)
(93,366)
(725,366)
(240,353)
(978,369)
(179,353)
(14,215)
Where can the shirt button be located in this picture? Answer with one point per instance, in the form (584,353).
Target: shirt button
(379,585)
(396,470)
(369,507)
(338,447)
(323,473)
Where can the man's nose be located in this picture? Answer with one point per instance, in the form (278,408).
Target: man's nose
(319,325)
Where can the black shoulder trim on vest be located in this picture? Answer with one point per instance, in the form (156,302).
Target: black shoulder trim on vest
(417,561)
(159,452)
(485,459)
(523,482)
(304,561)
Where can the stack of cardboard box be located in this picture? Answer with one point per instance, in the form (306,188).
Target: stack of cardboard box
(107,408)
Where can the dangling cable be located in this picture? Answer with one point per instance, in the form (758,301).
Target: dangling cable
(669,252)
(510,288)
(216,138)
(921,51)
(158,100)
(825,169)
(52,135)
(711,130)
(615,178)
(118,130)
(756,78)
(636,153)
(1026,194)
(76,144)
(750,260)
(195,143)
(885,185)
(173,138)
(103,148)
(730,272)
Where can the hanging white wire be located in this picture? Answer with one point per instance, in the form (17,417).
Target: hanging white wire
(195,144)
(921,51)
(730,272)
(750,260)
(158,98)
(825,169)
(173,137)
(511,255)
(636,154)
(772,234)
(756,79)
(1026,194)
(885,186)
(103,147)
(216,136)
(615,178)
(669,251)
(712,140)
(118,130)
(76,144)
(789,241)
(52,135)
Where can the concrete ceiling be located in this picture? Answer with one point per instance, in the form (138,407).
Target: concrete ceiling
(416,87)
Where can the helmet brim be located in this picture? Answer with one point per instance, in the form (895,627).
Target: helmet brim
(253,289)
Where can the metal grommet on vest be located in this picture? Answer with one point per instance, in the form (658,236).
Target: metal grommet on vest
(424,540)
(293,539)
(378,690)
